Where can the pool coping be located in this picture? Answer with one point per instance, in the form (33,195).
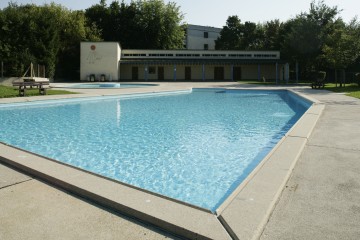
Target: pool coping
(75,85)
(242,216)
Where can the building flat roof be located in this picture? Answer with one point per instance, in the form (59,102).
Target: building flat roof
(200,61)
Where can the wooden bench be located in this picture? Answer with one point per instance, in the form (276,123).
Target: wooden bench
(318,84)
(31,83)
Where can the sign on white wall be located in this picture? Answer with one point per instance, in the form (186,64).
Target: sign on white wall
(100,61)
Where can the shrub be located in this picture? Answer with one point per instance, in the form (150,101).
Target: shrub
(321,76)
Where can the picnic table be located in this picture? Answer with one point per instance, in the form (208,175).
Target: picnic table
(39,83)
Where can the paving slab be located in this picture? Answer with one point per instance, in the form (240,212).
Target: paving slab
(338,128)
(34,210)
(322,198)
(304,127)
(9,177)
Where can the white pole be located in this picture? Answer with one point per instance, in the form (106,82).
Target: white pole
(203,72)
(146,73)
(277,74)
(175,72)
(31,70)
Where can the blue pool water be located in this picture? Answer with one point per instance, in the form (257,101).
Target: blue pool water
(109,85)
(195,147)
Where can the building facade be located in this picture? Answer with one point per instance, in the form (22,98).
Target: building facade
(100,60)
(201,37)
(179,65)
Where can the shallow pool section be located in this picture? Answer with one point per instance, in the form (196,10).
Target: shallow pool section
(108,85)
(195,147)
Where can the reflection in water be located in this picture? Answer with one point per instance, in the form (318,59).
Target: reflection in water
(118,113)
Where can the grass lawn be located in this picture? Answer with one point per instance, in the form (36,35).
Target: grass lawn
(352,90)
(8,92)
(272,82)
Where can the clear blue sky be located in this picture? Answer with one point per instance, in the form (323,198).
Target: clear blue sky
(215,12)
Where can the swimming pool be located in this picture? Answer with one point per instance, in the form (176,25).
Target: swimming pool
(196,147)
(107,85)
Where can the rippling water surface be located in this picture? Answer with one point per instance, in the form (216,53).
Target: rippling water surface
(195,147)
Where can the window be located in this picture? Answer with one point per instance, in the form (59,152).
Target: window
(265,55)
(206,46)
(187,55)
(160,55)
(240,55)
(206,35)
(152,70)
(214,55)
(135,55)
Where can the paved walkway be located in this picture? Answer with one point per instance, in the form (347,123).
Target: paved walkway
(321,201)
(322,198)
(31,210)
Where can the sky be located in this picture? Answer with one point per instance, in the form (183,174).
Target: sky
(215,12)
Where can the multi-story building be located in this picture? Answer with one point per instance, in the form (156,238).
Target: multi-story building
(201,37)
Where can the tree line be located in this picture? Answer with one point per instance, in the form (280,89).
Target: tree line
(51,34)
(47,35)
(150,24)
(318,40)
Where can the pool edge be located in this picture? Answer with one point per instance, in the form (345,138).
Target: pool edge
(171,216)
(186,232)
(258,205)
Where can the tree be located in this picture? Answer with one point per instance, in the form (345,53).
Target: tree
(342,47)
(42,35)
(306,36)
(150,24)
(273,31)
(99,16)
(73,30)
(238,36)
(302,43)
(161,28)
(230,35)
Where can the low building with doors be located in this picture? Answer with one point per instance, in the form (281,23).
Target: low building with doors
(178,65)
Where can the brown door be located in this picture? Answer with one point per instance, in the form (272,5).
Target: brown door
(135,73)
(237,73)
(160,73)
(219,73)
(187,73)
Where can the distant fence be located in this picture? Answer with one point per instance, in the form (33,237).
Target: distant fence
(16,70)
(349,76)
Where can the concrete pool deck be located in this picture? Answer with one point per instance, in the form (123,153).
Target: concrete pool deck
(245,216)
